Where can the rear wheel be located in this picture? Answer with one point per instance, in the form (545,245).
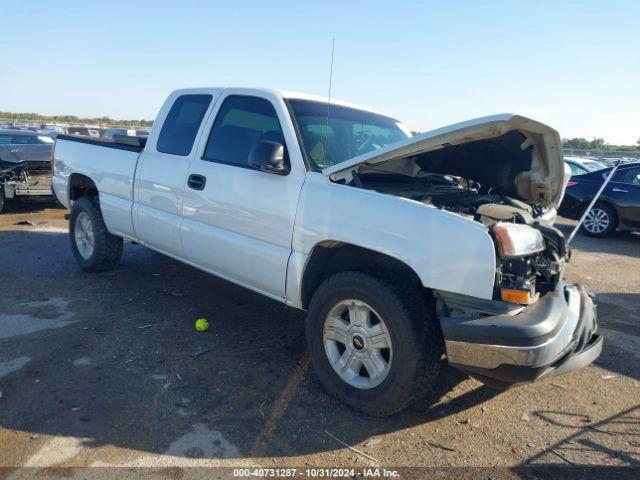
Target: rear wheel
(600,221)
(95,249)
(2,199)
(373,342)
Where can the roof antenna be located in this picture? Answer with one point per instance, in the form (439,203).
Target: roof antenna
(326,132)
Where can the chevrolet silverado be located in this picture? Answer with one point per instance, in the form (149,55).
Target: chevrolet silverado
(404,250)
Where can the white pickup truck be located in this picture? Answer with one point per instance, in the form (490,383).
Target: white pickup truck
(404,250)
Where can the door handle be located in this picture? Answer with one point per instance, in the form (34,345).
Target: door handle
(197,182)
(621,190)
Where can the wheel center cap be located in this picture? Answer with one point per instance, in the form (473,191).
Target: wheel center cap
(358,342)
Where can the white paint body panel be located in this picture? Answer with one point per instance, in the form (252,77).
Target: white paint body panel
(447,251)
(160,186)
(258,229)
(111,170)
(242,223)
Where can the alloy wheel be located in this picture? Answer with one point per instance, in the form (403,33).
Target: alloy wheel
(597,221)
(84,236)
(357,344)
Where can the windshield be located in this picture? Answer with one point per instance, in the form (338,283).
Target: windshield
(350,132)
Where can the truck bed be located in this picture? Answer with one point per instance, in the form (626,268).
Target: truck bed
(120,142)
(110,164)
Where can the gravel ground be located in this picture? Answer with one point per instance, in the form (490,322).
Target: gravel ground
(97,370)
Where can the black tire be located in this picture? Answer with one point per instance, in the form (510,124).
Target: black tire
(107,248)
(2,199)
(601,211)
(412,326)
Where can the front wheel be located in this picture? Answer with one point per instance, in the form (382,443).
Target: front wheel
(95,249)
(373,342)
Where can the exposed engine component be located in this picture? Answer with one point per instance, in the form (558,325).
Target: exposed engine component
(506,212)
(535,274)
(550,264)
(454,194)
(516,275)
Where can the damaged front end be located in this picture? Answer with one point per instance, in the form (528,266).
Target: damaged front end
(535,326)
(522,276)
(507,173)
(504,171)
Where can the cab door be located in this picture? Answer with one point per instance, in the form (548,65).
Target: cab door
(162,169)
(238,220)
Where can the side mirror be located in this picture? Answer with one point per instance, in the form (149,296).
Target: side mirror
(268,156)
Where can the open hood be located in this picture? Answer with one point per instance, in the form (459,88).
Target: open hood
(508,153)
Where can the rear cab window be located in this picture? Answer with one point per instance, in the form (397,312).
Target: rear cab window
(181,126)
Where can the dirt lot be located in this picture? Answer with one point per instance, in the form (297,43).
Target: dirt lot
(97,370)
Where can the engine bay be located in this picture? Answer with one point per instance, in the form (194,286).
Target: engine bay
(454,194)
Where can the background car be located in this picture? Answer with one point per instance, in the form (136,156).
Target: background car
(25,145)
(611,161)
(92,132)
(618,206)
(52,130)
(110,132)
(25,164)
(580,165)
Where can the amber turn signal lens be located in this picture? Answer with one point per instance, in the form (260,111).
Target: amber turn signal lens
(513,295)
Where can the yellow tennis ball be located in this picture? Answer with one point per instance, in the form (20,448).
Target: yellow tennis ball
(202,324)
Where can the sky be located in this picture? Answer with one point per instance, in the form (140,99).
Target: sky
(574,65)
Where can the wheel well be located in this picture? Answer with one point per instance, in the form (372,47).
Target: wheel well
(329,258)
(81,186)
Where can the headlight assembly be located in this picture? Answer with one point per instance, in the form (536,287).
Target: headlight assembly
(517,240)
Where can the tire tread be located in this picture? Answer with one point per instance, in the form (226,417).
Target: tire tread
(428,347)
(108,247)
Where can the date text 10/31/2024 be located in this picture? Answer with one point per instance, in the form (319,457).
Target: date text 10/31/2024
(316,472)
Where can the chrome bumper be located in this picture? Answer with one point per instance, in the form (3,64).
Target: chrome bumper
(554,336)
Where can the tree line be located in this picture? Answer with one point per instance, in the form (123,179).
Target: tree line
(20,117)
(598,144)
(577,143)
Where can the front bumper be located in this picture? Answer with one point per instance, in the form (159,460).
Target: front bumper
(555,335)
